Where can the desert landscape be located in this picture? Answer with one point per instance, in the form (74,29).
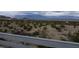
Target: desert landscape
(57,30)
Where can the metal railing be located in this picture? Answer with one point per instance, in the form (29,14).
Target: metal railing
(19,41)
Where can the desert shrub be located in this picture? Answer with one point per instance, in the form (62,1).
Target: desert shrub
(5,30)
(56,27)
(40,25)
(45,28)
(35,25)
(62,26)
(62,38)
(74,26)
(35,33)
(59,29)
(21,25)
(1,30)
(53,25)
(29,28)
(44,34)
(25,27)
(6,25)
(12,31)
(10,27)
(74,37)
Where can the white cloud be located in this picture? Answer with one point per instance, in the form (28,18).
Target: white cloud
(44,13)
(55,13)
(52,13)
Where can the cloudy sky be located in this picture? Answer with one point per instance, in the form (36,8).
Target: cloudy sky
(44,13)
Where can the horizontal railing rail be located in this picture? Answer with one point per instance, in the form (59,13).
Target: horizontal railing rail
(23,41)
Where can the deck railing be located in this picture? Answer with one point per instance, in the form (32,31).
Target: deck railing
(20,41)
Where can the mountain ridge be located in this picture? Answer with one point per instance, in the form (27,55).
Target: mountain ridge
(41,17)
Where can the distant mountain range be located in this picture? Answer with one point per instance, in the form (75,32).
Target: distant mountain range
(42,17)
(31,16)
